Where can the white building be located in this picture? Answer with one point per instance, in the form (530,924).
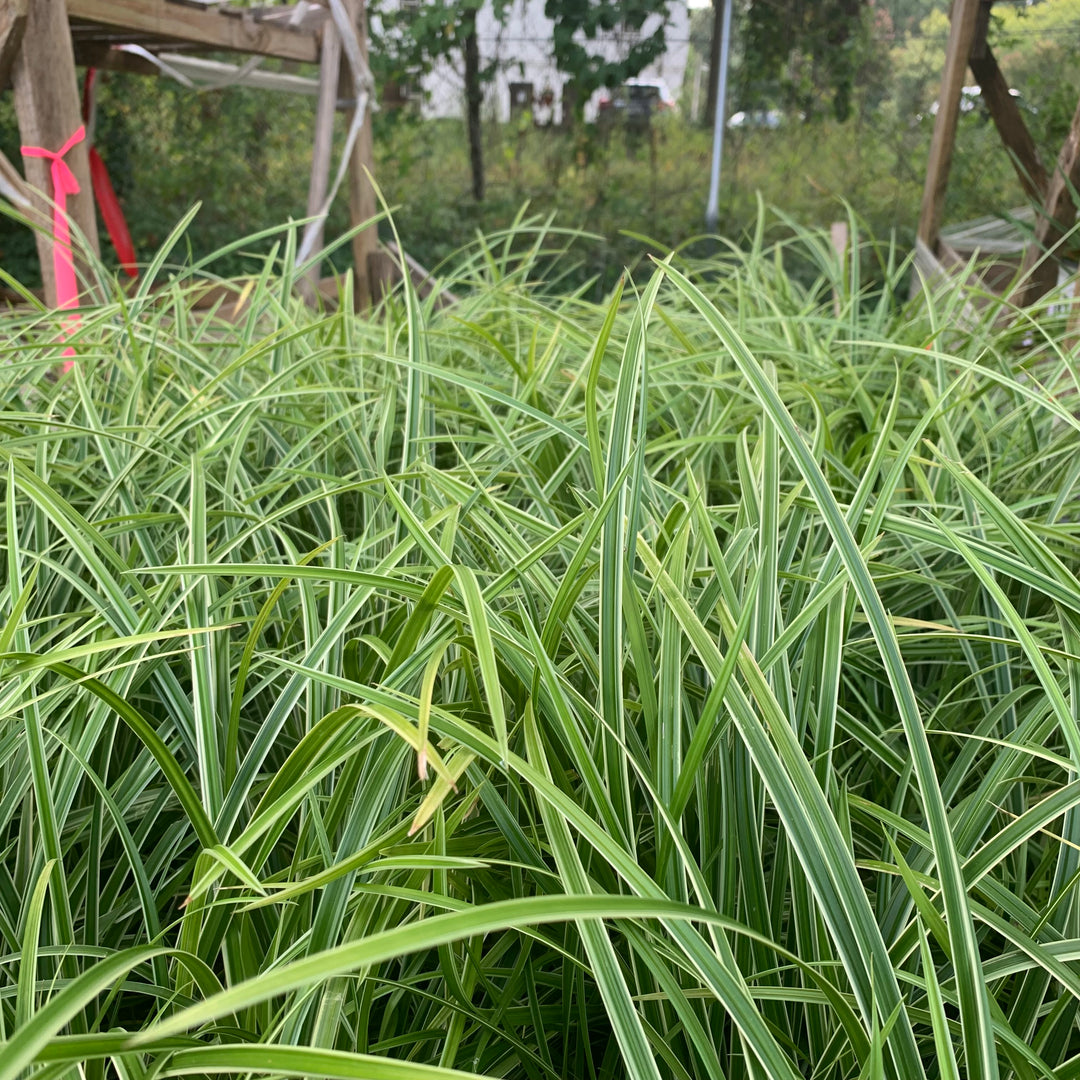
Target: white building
(522,48)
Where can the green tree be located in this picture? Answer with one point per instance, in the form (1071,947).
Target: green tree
(906,15)
(917,63)
(578,26)
(1038,48)
(804,53)
(408,41)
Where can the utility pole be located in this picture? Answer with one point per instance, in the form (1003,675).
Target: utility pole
(719,81)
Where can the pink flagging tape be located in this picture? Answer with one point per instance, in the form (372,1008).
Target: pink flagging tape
(63,184)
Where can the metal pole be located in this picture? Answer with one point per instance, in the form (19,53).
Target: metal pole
(712,211)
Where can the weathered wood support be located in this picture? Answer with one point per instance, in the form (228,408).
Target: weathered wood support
(323,149)
(839,235)
(100,54)
(362,202)
(1038,273)
(1009,123)
(47,107)
(12,28)
(965,14)
(230,32)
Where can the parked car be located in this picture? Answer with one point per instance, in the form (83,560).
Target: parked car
(756,118)
(636,101)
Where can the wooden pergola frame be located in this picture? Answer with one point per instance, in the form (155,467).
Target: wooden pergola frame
(42,42)
(967,47)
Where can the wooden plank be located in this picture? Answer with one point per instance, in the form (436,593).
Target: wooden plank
(362,203)
(962,28)
(12,28)
(47,107)
(323,150)
(1010,124)
(212,29)
(104,56)
(1058,214)
(199,69)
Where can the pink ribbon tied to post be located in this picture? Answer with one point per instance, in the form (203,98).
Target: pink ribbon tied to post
(63,185)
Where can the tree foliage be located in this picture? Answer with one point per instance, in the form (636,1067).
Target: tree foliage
(798,53)
(579,25)
(408,42)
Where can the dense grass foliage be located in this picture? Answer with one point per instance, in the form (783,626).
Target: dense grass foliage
(685,686)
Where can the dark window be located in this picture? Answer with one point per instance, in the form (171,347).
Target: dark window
(521,97)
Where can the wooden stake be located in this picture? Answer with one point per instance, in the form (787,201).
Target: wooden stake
(323,151)
(838,233)
(965,14)
(362,204)
(47,107)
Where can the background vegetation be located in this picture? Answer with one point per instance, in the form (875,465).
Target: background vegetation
(245,155)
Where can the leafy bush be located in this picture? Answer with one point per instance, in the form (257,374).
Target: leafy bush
(540,688)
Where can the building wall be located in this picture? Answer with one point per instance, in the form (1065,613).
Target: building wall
(522,49)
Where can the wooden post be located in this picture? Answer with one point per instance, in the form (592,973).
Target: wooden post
(962,27)
(47,107)
(1055,219)
(12,28)
(322,153)
(362,204)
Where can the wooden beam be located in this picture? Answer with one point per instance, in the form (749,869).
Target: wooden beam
(362,202)
(982,29)
(1038,273)
(12,28)
(212,29)
(47,107)
(1010,124)
(101,55)
(965,14)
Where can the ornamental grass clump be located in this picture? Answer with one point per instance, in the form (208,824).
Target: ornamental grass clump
(684,686)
